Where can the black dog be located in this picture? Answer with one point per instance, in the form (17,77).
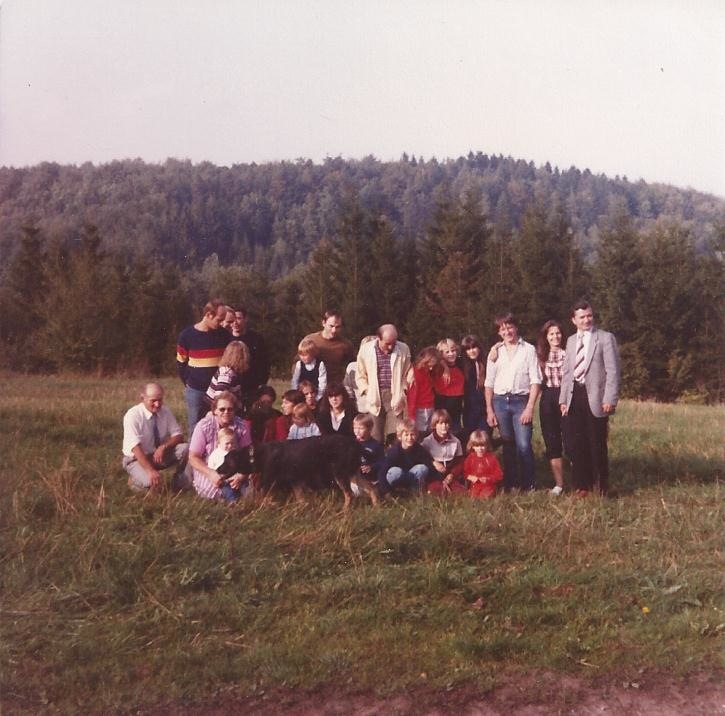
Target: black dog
(313,463)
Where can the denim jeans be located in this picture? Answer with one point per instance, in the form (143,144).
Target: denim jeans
(518,455)
(196,407)
(415,477)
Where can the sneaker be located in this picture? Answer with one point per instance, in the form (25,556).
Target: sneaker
(557,490)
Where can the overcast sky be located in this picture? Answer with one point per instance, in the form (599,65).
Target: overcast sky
(628,87)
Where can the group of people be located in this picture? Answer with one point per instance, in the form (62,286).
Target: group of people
(423,410)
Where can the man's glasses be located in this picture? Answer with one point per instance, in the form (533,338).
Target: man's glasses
(225,410)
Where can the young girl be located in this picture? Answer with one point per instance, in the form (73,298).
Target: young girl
(284,421)
(551,361)
(309,367)
(447,454)
(426,367)
(481,466)
(233,365)
(474,373)
(336,411)
(302,424)
(226,440)
(448,386)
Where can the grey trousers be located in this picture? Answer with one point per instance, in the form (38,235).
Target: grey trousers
(182,478)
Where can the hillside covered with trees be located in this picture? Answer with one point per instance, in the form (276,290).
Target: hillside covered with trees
(103,265)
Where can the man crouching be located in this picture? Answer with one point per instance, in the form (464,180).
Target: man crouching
(153,441)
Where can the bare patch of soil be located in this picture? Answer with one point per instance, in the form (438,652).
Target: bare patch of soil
(514,695)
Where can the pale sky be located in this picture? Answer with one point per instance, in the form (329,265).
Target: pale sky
(627,87)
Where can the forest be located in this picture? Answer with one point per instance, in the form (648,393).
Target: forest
(103,265)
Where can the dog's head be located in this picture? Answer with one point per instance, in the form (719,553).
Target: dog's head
(242,461)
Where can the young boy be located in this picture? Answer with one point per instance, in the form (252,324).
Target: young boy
(302,424)
(309,367)
(407,463)
(372,453)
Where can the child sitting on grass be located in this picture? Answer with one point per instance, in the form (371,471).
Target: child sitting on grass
(302,424)
(262,416)
(481,466)
(284,421)
(226,441)
(407,463)
(447,453)
(371,451)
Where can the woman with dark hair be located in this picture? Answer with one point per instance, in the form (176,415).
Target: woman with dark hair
(551,356)
(336,411)
(474,373)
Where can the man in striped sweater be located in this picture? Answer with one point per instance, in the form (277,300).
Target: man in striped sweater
(198,351)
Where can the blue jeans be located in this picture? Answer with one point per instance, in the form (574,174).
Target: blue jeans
(415,477)
(518,455)
(196,406)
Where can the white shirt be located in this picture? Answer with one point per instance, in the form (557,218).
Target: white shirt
(216,458)
(514,373)
(138,430)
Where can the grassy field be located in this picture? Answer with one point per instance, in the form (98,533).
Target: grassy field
(113,602)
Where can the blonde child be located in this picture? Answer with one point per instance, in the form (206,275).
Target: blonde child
(233,364)
(226,441)
(449,385)
(302,424)
(481,467)
(421,398)
(407,463)
(309,367)
(447,453)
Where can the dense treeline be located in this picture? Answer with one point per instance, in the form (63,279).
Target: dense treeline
(275,214)
(77,302)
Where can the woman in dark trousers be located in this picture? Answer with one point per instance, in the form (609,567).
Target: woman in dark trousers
(551,355)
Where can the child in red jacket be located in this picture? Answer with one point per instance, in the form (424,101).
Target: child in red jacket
(481,467)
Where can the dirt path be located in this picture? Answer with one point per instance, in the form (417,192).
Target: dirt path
(652,695)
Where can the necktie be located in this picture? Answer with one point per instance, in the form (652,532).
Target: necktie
(579,359)
(155,428)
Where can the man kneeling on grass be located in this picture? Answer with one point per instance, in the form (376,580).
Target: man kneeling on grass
(153,441)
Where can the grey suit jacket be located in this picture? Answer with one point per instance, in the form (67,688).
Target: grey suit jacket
(601,371)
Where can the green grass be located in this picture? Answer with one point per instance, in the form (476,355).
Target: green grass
(116,602)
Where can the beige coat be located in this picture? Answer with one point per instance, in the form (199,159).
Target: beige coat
(367,376)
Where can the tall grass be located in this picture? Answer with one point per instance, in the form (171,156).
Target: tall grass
(112,601)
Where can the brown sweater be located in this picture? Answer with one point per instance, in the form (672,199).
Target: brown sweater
(336,354)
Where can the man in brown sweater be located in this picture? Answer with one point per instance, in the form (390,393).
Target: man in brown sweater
(334,350)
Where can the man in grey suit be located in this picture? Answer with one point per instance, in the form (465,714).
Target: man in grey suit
(588,396)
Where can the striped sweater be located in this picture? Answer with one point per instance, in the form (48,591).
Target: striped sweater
(198,354)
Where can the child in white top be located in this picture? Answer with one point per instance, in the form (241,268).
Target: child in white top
(309,367)
(226,441)
(302,424)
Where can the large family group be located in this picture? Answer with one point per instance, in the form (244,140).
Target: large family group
(410,417)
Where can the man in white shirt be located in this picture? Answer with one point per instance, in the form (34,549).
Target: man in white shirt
(589,394)
(153,441)
(513,383)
